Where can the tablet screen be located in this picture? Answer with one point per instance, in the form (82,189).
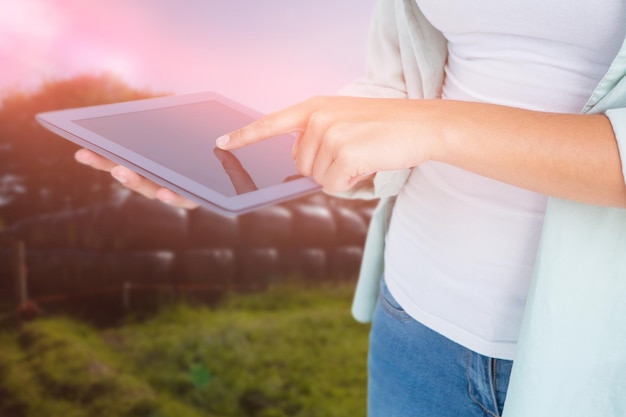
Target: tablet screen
(182,138)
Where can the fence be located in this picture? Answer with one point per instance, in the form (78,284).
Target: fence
(142,245)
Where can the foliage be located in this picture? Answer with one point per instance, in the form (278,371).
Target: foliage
(255,355)
(37,170)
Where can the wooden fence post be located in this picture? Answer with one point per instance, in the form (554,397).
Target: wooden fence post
(19,273)
(126,295)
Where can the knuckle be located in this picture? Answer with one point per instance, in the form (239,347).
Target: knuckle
(303,167)
(335,140)
(345,158)
(320,118)
(317,101)
(264,124)
(334,135)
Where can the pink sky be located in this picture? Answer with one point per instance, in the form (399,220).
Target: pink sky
(265,54)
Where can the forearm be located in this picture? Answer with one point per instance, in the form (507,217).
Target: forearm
(343,140)
(568,156)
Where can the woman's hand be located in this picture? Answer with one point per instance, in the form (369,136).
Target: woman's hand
(132,180)
(344,139)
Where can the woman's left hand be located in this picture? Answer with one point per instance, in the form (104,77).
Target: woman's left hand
(132,180)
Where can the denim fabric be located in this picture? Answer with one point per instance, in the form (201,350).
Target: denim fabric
(414,371)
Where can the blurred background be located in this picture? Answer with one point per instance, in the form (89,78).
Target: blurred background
(265,54)
(245,316)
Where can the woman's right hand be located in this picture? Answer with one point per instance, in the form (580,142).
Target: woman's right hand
(132,180)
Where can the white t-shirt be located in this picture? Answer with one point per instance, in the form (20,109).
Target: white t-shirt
(461,248)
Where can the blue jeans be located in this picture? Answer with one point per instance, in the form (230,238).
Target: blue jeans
(414,371)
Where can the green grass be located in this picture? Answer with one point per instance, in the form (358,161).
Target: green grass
(285,352)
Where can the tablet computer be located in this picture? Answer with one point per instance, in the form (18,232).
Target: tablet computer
(171,140)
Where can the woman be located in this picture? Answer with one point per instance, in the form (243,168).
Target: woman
(470,120)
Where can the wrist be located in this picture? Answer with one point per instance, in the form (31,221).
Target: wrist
(448,130)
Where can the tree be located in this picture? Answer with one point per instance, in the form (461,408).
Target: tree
(37,170)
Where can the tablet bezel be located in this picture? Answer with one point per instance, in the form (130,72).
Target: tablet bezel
(63,123)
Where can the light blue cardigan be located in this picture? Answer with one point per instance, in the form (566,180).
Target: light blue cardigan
(571,355)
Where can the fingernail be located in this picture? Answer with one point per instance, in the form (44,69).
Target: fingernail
(81,157)
(166,200)
(222,141)
(119,177)
(165,196)
(122,180)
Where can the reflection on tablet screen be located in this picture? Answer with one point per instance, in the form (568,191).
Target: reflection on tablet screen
(241,179)
(182,138)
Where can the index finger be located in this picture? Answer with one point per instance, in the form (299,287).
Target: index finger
(288,120)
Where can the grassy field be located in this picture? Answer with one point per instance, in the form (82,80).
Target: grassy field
(285,352)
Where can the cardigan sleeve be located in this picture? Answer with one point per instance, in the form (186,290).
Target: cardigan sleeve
(384,78)
(618,121)
(384,73)
(610,98)
(571,355)
(405,59)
